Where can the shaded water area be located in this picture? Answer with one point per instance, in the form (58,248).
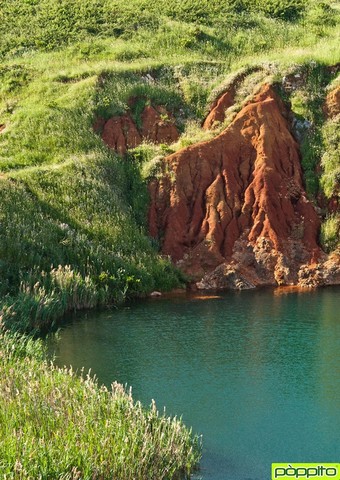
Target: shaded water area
(256,372)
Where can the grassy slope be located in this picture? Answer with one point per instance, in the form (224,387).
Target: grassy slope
(72,213)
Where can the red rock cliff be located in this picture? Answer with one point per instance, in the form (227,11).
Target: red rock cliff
(232,211)
(121,133)
(332,106)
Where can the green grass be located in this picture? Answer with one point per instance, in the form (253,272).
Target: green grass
(56,424)
(330,162)
(330,179)
(70,205)
(73,215)
(53,24)
(330,232)
(308,101)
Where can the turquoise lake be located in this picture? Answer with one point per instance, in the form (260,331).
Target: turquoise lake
(257,373)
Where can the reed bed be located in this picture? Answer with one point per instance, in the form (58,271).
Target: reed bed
(55,424)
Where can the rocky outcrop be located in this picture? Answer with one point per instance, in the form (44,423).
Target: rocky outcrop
(158,125)
(232,211)
(121,132)
(217,113)
(323,273)
(217,110)
(332,105)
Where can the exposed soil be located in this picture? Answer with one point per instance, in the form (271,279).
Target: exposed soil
(332,106)
(232,211)
(217,110)
(121,132)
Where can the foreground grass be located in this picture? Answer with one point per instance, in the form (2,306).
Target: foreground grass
(55,424)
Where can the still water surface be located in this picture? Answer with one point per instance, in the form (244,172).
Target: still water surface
(256,372)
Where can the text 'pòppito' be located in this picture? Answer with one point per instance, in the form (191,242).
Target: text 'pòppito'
(305,471)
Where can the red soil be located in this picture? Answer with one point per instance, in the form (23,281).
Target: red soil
(332,106)
(238,200)
(121,133)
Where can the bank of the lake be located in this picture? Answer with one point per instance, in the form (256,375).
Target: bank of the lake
(256,372)
(55,424)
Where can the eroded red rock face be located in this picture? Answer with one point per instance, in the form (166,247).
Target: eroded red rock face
(217,112)
(332,106)
(158,125)
(232,211)
(121,133)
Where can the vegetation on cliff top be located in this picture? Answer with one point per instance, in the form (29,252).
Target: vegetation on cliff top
(73,228)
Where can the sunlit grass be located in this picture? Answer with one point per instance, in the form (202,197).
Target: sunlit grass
(330,232)
(73,214)
(56,424)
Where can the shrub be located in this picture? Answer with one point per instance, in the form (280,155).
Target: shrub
(289,10)
(330,233)
(321,14)
(39,304)
(330,161)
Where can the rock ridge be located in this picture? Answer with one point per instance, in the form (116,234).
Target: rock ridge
(233,212)
(121,133)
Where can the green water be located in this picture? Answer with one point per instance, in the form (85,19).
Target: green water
(256,372)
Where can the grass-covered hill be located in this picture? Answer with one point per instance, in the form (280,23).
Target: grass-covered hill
(73,230)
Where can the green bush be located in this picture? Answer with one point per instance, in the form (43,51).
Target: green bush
(290,10)
(307,103)
(330,161)
(321,14)
(330,233)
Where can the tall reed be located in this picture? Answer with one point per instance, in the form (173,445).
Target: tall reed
(56,424)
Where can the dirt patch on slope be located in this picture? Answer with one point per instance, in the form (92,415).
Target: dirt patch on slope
(332,105)
(122,133)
